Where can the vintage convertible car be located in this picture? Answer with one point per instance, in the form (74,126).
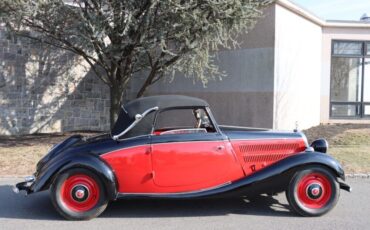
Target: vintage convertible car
(172,147)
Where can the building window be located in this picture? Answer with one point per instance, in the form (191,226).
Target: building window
(350,80)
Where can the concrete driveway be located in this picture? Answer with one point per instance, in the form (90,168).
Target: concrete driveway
(36,212)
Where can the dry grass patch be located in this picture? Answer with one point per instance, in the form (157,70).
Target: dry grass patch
(355,159)
(21,160)
(20,154)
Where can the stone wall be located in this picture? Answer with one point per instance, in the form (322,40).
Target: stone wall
(45,90)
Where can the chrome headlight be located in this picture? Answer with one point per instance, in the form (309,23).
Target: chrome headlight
(320,145)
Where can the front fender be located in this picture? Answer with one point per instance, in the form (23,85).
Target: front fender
(62,163)
(306,158)
(276,177)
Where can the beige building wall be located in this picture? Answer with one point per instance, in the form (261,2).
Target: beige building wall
(297,71)
(245,96)
(330,34)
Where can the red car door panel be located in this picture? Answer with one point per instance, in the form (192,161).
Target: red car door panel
(193,164)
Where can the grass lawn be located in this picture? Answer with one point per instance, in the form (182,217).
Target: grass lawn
(352,149)
(350,144)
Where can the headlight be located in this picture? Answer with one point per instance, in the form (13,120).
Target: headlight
(320,145)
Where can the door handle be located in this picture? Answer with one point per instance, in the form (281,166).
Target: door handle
(220,147)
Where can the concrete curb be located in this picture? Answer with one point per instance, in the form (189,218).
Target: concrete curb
(358,175)
(12,177)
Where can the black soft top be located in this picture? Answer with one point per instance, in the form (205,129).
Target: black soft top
(140,105)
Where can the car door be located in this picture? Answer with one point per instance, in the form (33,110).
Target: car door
(184,160)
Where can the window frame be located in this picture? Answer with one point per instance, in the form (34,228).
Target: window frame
(361,103)
(206,110)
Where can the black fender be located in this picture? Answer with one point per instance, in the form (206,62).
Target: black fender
(63,162)
(276,178)
(272,179)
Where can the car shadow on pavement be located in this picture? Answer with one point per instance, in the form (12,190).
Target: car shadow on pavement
(261,206)
(38,206)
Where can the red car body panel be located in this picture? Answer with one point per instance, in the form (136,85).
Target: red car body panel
(194,165)
(132,167)
(254,155)
(164,169)
(190,166)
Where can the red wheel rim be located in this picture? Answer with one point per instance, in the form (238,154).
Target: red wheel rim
(80,193)
(314,190)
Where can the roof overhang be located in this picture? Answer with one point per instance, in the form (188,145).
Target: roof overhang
(315,19)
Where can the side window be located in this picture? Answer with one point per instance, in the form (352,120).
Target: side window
(183,121)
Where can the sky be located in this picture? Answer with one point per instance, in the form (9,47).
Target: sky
(336,9)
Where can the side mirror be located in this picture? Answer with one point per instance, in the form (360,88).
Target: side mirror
(138,117)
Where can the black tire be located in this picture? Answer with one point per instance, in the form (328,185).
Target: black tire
(319,197)
(98,201)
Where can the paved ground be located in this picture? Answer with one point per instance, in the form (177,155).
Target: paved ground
(36,212)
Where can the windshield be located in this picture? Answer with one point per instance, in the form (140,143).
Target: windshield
(126,117)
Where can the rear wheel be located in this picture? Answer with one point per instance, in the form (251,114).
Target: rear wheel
(313,191)
(78,194)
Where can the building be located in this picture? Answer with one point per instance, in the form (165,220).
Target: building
(292,69)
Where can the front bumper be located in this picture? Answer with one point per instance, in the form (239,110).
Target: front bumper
(345,187)
(25,185)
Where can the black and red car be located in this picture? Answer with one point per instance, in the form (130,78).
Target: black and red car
(171,147)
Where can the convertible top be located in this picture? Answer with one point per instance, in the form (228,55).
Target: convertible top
(163,101)
(140,105)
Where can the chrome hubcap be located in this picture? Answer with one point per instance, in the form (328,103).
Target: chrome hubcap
(314,191)
(80,193)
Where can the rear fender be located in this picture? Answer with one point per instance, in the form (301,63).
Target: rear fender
(61,164)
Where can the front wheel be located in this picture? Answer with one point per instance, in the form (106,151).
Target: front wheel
(313,191)
(78,194)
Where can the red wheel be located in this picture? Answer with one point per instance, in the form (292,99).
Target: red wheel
(313,191)
(78,194)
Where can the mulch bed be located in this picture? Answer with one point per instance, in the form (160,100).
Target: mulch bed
(330,131)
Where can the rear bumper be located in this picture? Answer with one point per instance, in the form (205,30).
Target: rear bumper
(25,185)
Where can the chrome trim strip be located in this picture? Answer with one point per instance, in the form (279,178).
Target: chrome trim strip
(263,139)
(158,144)
(245,127)
(192,141)
(130,138)
(175,193)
